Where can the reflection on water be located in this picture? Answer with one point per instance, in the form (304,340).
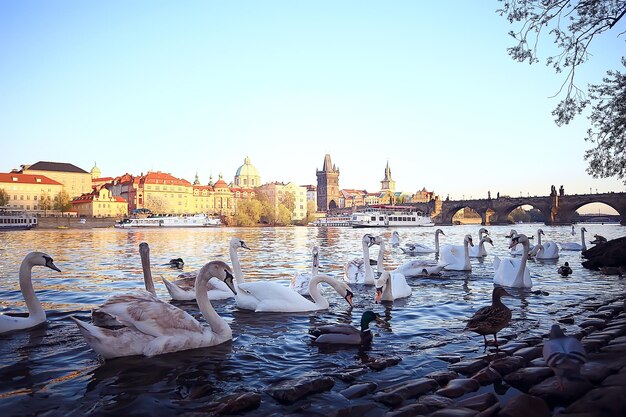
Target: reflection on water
(50,369)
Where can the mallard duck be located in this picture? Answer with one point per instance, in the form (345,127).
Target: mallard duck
(346,334)
(176,263)
(564,354)
(598,239)
(565,269)
(491,319)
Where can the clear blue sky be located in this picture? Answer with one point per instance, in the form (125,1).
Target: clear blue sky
(196,86)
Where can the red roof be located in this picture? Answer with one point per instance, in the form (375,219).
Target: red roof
(220,184)
(107,179)
(86,198)
(159,177)
(27,179)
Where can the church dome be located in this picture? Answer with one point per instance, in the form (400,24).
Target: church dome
(247,175)
(95,171)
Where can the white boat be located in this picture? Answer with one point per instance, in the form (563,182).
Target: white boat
(333,221)
(196,220)
(390,216)
(16,220)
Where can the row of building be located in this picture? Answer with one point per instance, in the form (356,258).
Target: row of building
(37,187)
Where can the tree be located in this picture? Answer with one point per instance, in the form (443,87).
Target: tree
(248,212)
(45,203)
(155,204)
(310,213)
(574,25)
(62,202)
(4,197)
(519,215)
(289,200)
(283,215)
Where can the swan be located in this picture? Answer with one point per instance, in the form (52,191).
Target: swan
(394,241)
(154,327)
(417,248)
(491,319)
(546,250)
(576,246)
(357,271)
(512,272)
(346,334)
(391,286)
(300,282)
(456,257)
(266,296)
(36,313)
(480,251)
(518,249)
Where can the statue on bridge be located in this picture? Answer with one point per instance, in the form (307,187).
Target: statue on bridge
(561,191)
(552,191)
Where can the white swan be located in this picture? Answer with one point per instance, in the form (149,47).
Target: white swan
(480,251)
(358,270)
(395,239)
(545,250)
(266,296)
(512,272)
(154,327)
(456,257)
(576,246)
(36,313)
(417,248)
(391,286)
(300,282)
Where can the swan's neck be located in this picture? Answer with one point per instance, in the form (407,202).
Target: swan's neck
(369,275)
(314,289)
(466,249)
(147,274)
(387,290)
(582,239)
(218,325)
(316,267)
(538,238)
(234,259)
(520,274)
(379,263)
(26,286)
(437,242)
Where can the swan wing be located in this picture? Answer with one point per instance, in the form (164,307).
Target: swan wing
(354,271)
(300,283)
(399,286)
(272,296)
(550,251)
(417,248)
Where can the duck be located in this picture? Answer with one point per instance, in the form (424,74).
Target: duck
(609,254)
(394,241)
(36,313)
(598,239)
(576,246)
(491,319)
(266,296)
(456,257)
(418,248)
(565,269)
(480,251)
(346,334)
(391,286)
(564,354)
(177,263)
(154,327)
(357,271)
(512,272)
(300,282)
(546,250)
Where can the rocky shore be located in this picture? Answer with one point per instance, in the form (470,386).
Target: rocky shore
(512,382)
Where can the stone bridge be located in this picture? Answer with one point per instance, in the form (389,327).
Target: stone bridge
(557,209)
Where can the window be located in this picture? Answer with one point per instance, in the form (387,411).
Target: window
(35,197)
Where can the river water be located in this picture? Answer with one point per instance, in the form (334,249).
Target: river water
(50,370)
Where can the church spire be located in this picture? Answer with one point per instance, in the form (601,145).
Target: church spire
(387,172)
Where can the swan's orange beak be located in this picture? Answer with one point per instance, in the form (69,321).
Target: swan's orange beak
(348,297)
(379,295)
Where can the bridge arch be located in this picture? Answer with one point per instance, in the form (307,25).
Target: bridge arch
(503,211)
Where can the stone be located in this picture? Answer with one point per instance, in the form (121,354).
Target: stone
(566,320)
(595,323)
(507,365)
(525,405)
(552,392)
(442,377)
(615,380)
(537,362)
(605,402)
(601,336)
(357,410)
(479,402)
(529,353)
(382,363)
(450,358)
(619,339)
(592,345)
(601,315)
(458,387)
(595,372)
(397,393)
(235,404)
(525,378)
(359,390)
(615,348)
(531,340)
(435,401)
(487,376)
(512,347)
(410,410)
(490,412)
(292,390)
(468,367)
(350,375)
(454,412)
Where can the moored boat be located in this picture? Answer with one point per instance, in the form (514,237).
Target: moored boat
(16,220)
(196,220)
(342,220)
(390,216)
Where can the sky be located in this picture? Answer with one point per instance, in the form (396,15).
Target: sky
(196,86)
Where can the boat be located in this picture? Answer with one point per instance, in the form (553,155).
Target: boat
(196,220)
(340,220)
(390,216)
(16,220)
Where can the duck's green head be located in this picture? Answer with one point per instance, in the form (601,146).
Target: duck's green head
(368,317)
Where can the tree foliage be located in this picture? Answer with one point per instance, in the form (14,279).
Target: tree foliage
(574,25)
(4,197)
(63,202)
(45,202)
(155,204)
(248,212)
(289,200)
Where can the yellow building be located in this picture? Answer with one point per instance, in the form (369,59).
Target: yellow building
(76,181)
(35,193)
(223,197)
(100,203)
(162,193)
(276,192)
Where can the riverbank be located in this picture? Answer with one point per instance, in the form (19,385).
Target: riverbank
(73,223)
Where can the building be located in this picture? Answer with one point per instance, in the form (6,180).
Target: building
(328,186)
(29,192)
(100,203)
(76,181)
(160,192)
(247,176)
(276,192)
(311,195)
(352,198)
(223,197)
(423,196)
(388,184)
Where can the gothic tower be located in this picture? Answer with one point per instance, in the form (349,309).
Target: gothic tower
(388,185)
(327,186)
